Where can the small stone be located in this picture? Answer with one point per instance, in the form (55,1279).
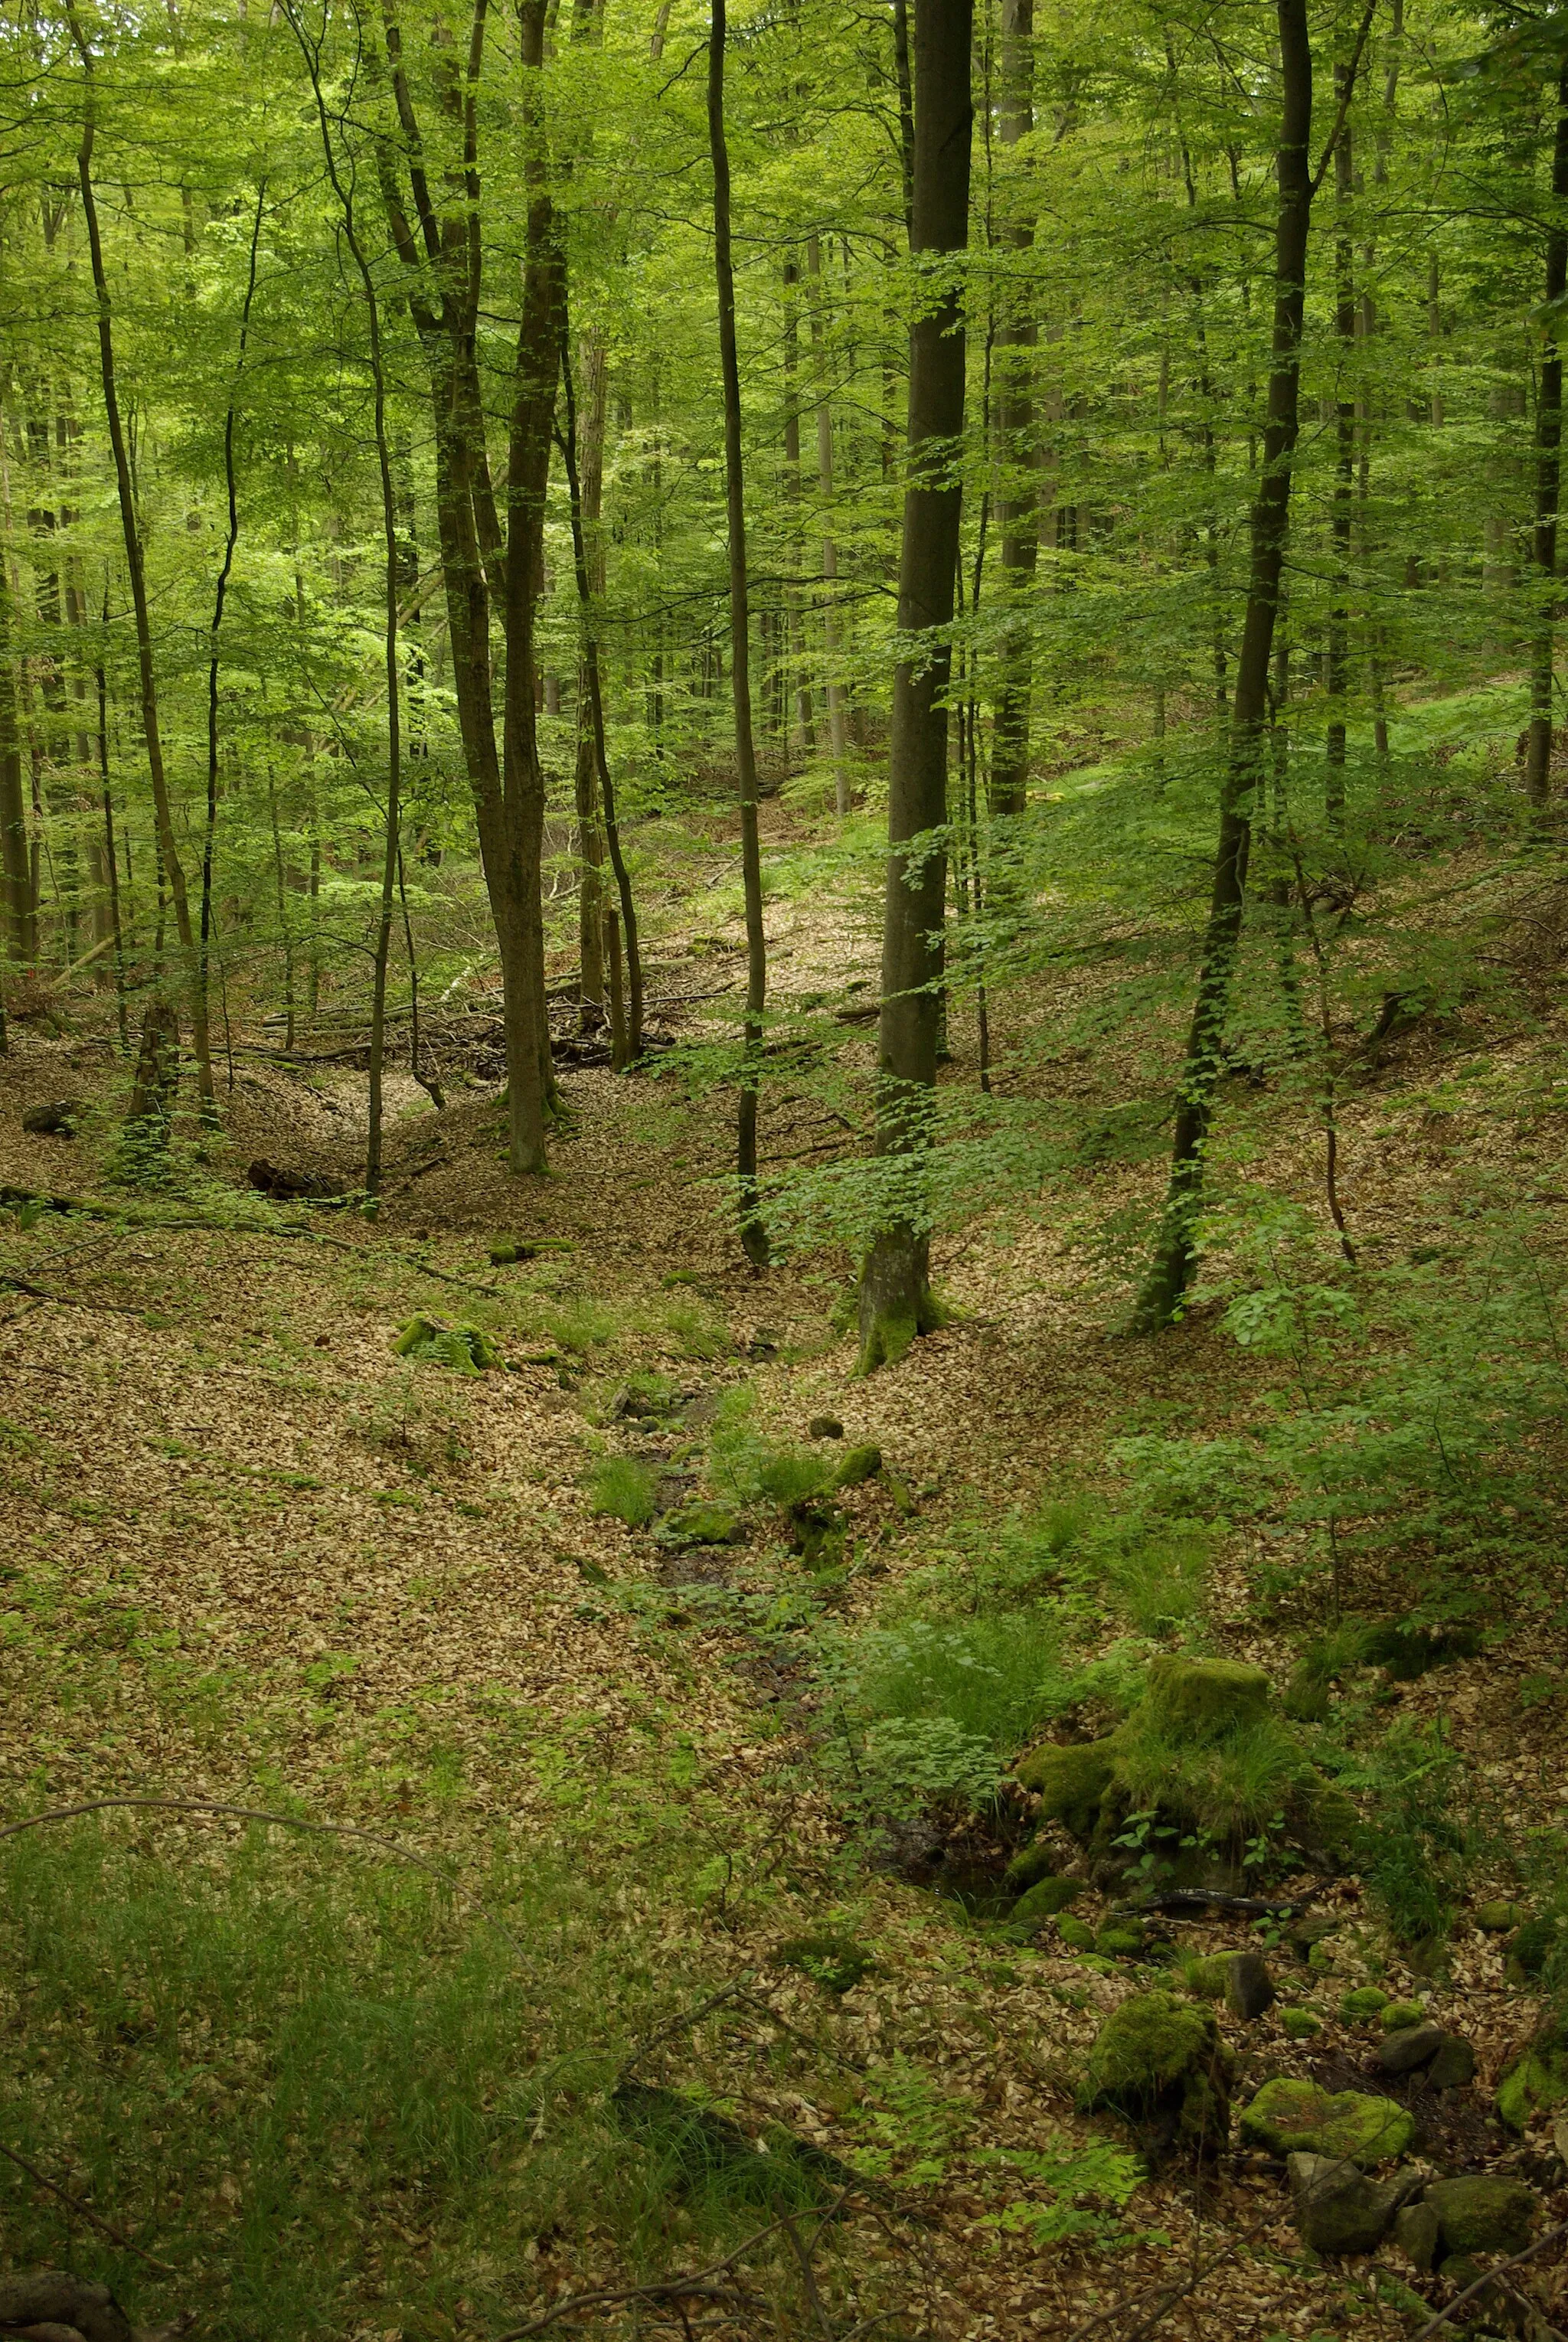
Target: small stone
(57,1119)
(1535,2081)
(1416,2233)
(1338,2209)
(1400,2013)
(1249,1987)
(1310,1929)
(859,1464)
(1047,1899)
(1076,1934)
(700,1523)
(1411,2046)
(1500,1918)
(825,1426)
(1300,2024)
(1367,2000)
(1454,2067)
(1290,2116)
(1480,2214)
(1460,2271)
(1119,1939)
(1158,2058)
(1321,1957)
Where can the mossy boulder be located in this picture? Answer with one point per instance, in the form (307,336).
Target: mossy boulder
(1367,2000)
(1045,1900)
(439,1342)
(1289,2116)
(1204,1699)
(1300,2024)
(1477,2214)
(859,1464)
(1160,2061)
(1338,2209)
(1536,2080)
(1531,1946)
(1400,2013)
(1029,1866)
(1207,1977)
(1119,1939)
(1406,1650)
(1500,1918)
(1453,2066)
(1070,1781)
(700,1523)
(1076,1934)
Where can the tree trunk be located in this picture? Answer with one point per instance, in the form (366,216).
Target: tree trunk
(753,1234)
(115,929)
(590,836)
(792,630)
(1170,1269)
(158,1076)
(1016,339)
(173,868)
(837,729)
(1548,458)
(16,863)
(895,1298)
(1338,677)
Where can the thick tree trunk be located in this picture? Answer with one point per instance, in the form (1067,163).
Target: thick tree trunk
(1016,505)
(895,1298)
(1548,462)
(172,867)
(1170,1269)
(753,1233)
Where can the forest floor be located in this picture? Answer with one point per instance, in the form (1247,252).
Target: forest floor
(255,1557)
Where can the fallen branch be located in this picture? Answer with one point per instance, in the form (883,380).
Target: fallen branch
(84,2211)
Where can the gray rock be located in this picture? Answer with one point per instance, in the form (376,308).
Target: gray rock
(1416,2232)
(1338,2209)
(1249,1987)
(1411,2046)
(1454,2067)
(56,1119)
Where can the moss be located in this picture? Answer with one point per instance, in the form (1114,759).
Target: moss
(1290,2116)
(1070,1781)
(1500,1918)
(1119,1939)
(434,1341)
(1366,2000)
(1400,2014)
(1158,2057)
(1476,2213)
(1206,1978)
(1530,1947)
(1204,1700)
(1535,2081)
(1076,1934)
(859,1464)
(1029,1866)
(700,1523)
(1300,2024)
(1406,1650)
(835,1961)
(1045,1900)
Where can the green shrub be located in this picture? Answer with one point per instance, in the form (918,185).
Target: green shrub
(1159,1581)
(790,1476)
(996,1677)
(1412,1850)
(625,1489)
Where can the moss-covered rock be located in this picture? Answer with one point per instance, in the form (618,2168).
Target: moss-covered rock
(1207,1977)
(859,1464)
(1119,1939)
(1453,2066)
(1045,1900)
(1204,1699)
(1030,1865)
(1338,2209)
(1535,2081)
(1531,1946)
(1300,2024)
(1416,2232)
(1500,1918)
(1367,2000)
(437,1342)
(1076,1934)
(700,1523)
(1400,2013)
(1159,2060)
(1249,1987)
(1406,1650)
(1477,2214)
(1070,1781)
(1289,2116)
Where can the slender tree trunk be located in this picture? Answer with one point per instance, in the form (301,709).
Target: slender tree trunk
(590,836)
(833,646)
(1338,677)
(220,596)
(895,1298)
(16,863)
(630,1049)
(1548,461)
(1016,505)
(1170,1269)
(116,930)
(753,1234)
(174,869)
(793,628)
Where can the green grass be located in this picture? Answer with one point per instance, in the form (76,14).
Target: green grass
(626,1489)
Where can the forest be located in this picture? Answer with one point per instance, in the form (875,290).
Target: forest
(783,1077)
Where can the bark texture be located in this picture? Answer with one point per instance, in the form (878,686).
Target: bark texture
(1548,469)
(1017,337)
(895,1297)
